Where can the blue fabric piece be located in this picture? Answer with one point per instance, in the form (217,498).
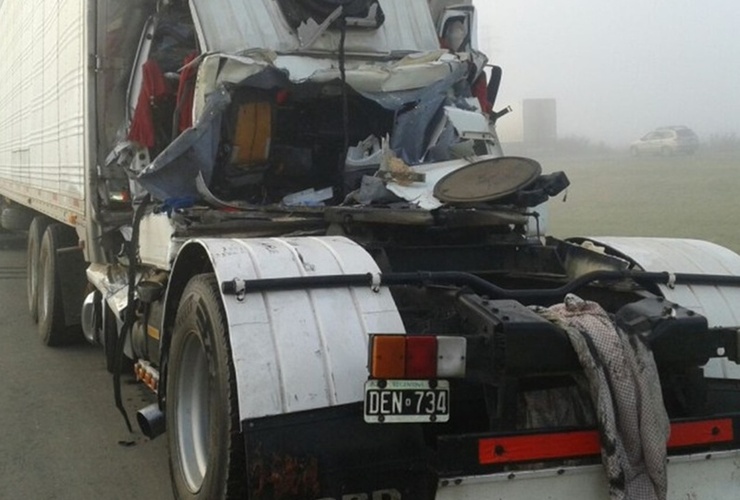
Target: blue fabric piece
(173,173)
(412,130)
(173,204)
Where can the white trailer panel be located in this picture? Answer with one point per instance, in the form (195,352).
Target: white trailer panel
(42,105)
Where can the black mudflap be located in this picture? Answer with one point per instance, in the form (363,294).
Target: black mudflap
(71,268)
(333,454)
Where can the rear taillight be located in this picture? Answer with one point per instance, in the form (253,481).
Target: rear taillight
(388,356)
(417,356)
(421,357)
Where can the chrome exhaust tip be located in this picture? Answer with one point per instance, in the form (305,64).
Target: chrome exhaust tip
(151,421)
(91,319)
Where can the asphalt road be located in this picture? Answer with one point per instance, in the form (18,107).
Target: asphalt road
(61,436)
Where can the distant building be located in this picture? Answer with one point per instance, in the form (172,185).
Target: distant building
(539,121)
(533,122)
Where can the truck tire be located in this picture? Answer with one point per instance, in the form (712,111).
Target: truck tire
(16,218)
(35,234)
(206,447)
(51,322)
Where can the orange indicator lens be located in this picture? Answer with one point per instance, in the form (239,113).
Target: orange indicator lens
(388,356)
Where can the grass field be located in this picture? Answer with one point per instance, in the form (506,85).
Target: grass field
(695,196)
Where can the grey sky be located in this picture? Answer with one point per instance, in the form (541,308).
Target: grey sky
(618,69)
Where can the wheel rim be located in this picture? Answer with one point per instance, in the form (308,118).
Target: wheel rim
(42,290)
(191,414)
(32,272)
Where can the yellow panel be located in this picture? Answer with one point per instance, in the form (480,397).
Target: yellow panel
(153,332)
(253,133)
(388,356)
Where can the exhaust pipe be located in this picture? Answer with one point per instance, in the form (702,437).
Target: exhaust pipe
(91,319)
(151,421)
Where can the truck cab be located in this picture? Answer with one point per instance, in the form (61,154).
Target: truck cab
(296,225)
(311,154)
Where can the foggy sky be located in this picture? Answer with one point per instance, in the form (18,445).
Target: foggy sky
(619,69)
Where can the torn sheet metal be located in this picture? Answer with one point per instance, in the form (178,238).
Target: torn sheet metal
(421,194)
(414,128)
(419,88)
(437,7)
(469,124)
(309,31)
(217,70)
(392,85)
(112,281)
(234,25)
(157,245)
(412,72)
(174,172)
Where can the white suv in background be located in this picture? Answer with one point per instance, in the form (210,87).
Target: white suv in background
(666,141)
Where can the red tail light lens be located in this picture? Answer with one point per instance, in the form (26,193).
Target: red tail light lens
(397,356)
(421,357)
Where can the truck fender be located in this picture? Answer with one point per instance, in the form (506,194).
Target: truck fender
(719,304)
(293,350)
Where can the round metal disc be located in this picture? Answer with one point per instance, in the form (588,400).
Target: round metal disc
(487,180)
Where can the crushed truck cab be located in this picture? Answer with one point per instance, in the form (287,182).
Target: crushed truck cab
(294,222)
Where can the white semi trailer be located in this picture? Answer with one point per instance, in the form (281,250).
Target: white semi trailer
(292,219)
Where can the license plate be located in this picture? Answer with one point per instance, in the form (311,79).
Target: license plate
(404,401)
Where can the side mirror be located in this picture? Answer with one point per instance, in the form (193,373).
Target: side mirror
(495,115)
(493,85)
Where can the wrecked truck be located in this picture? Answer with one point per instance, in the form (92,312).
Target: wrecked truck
(293,221)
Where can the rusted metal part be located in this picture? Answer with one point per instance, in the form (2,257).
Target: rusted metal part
(283,477)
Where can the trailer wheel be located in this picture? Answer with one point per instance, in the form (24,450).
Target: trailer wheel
(52,327)
(206,448)
(35,234)
(16,218)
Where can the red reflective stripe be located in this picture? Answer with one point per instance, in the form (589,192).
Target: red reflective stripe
(512,449)
(501,450)
(704,432)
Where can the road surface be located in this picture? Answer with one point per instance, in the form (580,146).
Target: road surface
(61,436)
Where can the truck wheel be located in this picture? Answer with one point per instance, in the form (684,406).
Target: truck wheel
(206,447)
(52,327)
(35,234)
(16,218)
